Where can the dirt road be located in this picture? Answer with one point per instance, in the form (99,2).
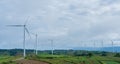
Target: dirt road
(30,62)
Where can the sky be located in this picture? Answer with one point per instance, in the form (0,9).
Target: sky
(69,23)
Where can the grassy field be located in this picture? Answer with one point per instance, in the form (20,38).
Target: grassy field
(62,59)
(7,59)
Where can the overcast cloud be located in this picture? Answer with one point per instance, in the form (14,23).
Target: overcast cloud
(67,22)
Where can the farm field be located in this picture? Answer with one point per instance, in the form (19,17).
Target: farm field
(61,59)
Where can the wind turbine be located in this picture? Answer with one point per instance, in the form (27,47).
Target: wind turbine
(94,44)
(24,35)
(52,50)
(36,42)
(102,45)
(112,45)
(52,47)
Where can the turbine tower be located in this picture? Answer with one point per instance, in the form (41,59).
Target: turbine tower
(102,45)
(52,48)
(94,43)
(36,42)
(112,46)
(24,35)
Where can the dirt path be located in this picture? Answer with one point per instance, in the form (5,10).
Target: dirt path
(30,62)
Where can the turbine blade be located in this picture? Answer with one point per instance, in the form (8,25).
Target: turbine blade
(15,25)
(28,32)
(26,20)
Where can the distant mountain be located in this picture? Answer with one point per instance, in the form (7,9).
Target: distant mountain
(108,49)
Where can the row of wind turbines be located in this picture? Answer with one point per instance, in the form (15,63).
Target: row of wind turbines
(100,44)
(25,30)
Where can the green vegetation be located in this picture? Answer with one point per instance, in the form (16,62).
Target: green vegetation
(64,57)
(117,55)
(110,62)
(7,59)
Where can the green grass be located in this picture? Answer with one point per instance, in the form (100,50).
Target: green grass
(110,62)
(64,59)
(7,59)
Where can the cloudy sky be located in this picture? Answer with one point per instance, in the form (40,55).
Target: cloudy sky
(70,23)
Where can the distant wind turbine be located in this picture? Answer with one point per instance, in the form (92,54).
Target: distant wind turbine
(36,42)
(94,43)
(102,45)
(112,45)
(52,50)
(24,35)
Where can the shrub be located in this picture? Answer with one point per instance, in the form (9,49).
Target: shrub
(117,55)
(103,54)
(5,63)
(90,54)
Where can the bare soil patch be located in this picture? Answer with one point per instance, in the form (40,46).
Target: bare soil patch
(30,62)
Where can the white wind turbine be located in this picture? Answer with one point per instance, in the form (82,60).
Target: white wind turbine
(112,46)
(102,42)
(36,43)
(52,47)
(24,26)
